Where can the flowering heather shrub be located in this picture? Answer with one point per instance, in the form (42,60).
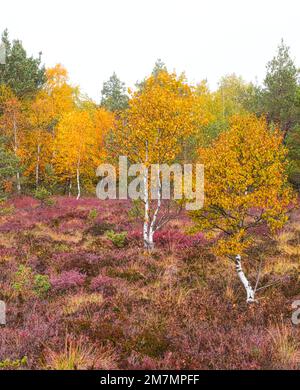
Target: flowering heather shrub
(120,256)
(99,228)
(6,253)
(89,262)
(25,202)
(12,343)
(139,361)
(104,284)
(216,348)
(13,226)
(175,239)
(260,230)
(188,241)
(67,279)
(71,226)
(83,203)
(179,307)
(27,331)
(135,237)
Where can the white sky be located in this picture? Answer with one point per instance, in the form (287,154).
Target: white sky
(204,38)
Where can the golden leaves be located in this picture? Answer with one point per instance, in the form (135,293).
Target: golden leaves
(79,142)
(161,113)
(245,182)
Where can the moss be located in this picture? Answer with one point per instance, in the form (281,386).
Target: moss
(130,275)
(150,343)
(108,331)
(99,228)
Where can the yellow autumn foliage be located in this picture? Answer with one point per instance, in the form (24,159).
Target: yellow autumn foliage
(245,183)
(159,118)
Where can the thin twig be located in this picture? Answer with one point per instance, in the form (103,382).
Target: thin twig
(271,284)
(258,275)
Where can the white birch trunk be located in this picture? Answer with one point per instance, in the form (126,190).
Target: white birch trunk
(146,228)
(78,182)
(37,168)
(153,226)
(146,211)
(18,183)
(249,290)
(70,187)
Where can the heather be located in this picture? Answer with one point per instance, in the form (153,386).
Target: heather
(82,293)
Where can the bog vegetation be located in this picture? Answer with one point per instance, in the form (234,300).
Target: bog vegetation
(145,284)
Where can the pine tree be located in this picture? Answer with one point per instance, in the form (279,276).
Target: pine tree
(114,96)
(23,74)
(280,95)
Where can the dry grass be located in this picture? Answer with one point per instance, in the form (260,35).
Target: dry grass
(44,231)
(284,246)
(75,356)
(78,355)
(77,302)
(285,346)
(7,240)
(279,266)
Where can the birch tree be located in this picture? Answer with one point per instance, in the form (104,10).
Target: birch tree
(151,131)
(56,99)
(78,145)
(245,186)
(38,143)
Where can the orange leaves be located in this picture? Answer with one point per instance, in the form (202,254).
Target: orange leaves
(62,95)
(54,101)
(12,122)
(79,142)
(6,94)
(245,181)
(73,135)
(161,114)
(56,76)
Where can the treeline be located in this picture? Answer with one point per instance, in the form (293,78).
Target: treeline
(53,137)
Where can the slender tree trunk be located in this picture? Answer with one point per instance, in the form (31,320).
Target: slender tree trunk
(150,226)
(78,183)
(18,182)
(153,226)
(70,187)
(249,290)
(146,211)
(146,226)
(37,168)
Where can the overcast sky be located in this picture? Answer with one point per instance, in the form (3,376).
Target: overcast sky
(204,38)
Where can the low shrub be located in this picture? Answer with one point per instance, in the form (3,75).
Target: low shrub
(99,228)
(27,284)
(67,280)
(103,284)
(93,214)
(43,195)
(118,239)
(13,364)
